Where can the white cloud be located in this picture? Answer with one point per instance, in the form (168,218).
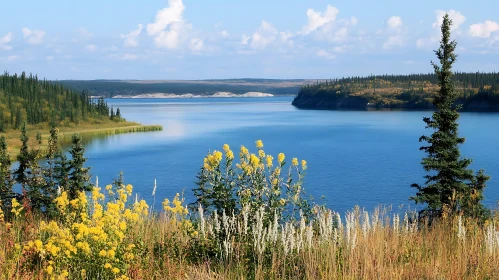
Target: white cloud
(395,31)
(325,54)
(394,22)
(90,48)
(352,21)
(33,37)
(224,34)
(49,58)
(485,29)
(318,19)
(393,41)
(196,44)
(286,38)
(457,19)
(4,41)
(131,39)
(169,25)
(340,35)
(265,35)
(245,39)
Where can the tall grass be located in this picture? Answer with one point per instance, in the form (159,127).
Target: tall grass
(358,245)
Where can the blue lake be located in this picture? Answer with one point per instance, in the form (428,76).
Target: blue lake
(354,157)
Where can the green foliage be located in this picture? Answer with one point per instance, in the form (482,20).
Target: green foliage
(27,99)
(475,91)
(24,158)
(450,186)
(254,184)
(6,180)
(79,176)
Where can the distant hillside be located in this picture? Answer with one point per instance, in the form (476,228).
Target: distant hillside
(39,102)
(111,88)
(477,91)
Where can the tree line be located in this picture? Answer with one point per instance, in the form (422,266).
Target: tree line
(28,99)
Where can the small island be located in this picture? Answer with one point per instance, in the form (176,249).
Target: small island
(476,92)
(43,104)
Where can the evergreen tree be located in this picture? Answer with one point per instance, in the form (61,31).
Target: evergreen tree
(62,168)
(6,183)
(112,113)
(79,177)
(450,186)
(49,172)
(118,114)
(24,159)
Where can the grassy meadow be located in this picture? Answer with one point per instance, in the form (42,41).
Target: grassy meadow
(89,129)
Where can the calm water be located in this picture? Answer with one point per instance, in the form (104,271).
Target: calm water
(354,158)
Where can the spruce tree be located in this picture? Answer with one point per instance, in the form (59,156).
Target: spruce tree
(450,185)
(6,183)
(79,177)
(50,172)
(24,158)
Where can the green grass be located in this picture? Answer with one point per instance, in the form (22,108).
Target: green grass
(85,130)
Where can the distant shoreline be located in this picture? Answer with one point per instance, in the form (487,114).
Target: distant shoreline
(190,95)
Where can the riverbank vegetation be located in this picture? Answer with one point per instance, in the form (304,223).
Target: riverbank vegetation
(475,91)
(42,105)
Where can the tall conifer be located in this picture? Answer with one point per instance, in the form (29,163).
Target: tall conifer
(450,185)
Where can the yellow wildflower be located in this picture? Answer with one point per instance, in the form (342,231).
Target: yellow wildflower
(294,162)
(116,270)
(16,207)
(261,153)
(259,144)
(280,158)
(282,201)
(254,160)
(38,244)
(303,164)
(108,265)
(244,152)
(129,189)
(269,159)
(49,269)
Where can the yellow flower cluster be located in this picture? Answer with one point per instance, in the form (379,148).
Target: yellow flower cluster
(213,160)
(228,152)
(16,207)
(280,158)
(90,236)
(177,206)
(259,144)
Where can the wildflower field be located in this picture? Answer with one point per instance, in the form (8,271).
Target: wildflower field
(251,220)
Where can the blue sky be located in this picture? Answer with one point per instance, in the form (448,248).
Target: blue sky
(187,39)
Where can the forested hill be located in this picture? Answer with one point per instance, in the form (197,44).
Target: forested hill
(27,99)
(111,88)
(476,91)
